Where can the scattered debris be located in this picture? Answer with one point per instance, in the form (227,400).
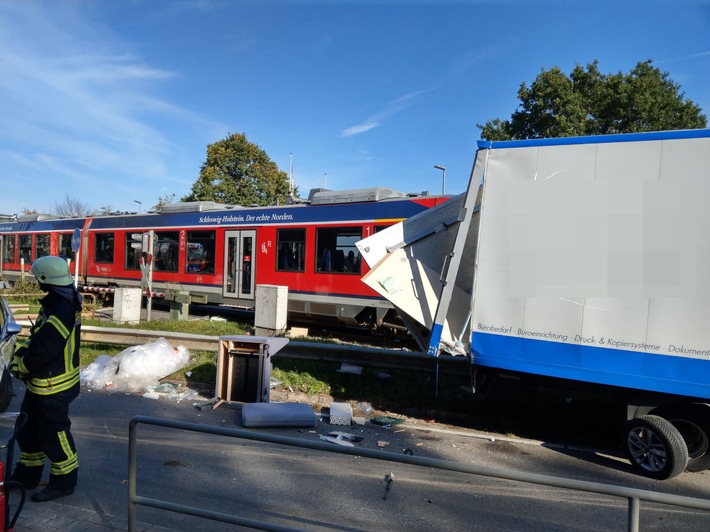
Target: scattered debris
(386,421)
(382,444)
(349,368)
(346,436)
(298,332)
(364,407)
(338,440)
(278,415)
(389,478)
(341,414)
(165,387)
(358,420)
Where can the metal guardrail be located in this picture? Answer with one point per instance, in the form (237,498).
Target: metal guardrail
(349,354)
(633,496)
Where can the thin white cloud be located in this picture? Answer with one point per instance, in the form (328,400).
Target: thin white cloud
(360,128)
(458,67)
(697,55)
(391,108)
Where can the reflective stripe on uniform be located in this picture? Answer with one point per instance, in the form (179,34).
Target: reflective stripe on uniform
(59,326)
(32,459)
(53,384)
(68,465)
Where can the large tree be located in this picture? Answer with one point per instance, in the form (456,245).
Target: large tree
(591,103)
(239,172)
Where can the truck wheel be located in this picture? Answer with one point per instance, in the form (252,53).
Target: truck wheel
(655,447)
(693,423)
(6,390)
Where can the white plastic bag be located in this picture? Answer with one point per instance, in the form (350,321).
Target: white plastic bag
(136,368)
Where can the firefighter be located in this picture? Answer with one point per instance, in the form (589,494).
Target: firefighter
(49,364)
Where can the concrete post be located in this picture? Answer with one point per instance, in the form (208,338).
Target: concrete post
(271,309)
(127,305)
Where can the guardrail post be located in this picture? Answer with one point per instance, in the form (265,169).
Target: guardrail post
(132,460)
(633,514)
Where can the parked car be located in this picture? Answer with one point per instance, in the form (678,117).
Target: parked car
(9,330)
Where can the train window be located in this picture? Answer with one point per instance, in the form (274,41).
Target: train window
(26,248)
(103,247)
(8,252)
(336,250)
(133,254)
(41,245)
(65,250)
(165,251)
(200,252)
(291,246)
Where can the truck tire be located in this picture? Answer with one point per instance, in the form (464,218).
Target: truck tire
(655,447)
(693,423)
(6,390)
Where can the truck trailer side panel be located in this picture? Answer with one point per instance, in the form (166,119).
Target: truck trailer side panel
(593,262)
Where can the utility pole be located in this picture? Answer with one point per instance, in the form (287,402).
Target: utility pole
(443,180)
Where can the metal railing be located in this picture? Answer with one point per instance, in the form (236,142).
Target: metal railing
(331,352)
(633,496)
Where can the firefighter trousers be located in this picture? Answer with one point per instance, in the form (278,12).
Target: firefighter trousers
(45,435)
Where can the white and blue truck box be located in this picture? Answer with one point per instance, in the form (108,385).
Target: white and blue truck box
(585,259)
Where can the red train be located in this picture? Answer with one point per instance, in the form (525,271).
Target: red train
(219,253)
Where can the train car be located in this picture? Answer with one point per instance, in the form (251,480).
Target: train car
(220,253)
(27,237)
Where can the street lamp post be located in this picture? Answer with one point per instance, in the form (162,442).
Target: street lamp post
(443,179)
(139,205)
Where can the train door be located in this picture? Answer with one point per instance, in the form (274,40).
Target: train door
(239,264)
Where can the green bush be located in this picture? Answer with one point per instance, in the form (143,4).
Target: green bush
(23,291)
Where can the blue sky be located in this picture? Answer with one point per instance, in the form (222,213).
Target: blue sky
(114,102)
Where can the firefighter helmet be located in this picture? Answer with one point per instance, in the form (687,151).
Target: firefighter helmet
(52,270)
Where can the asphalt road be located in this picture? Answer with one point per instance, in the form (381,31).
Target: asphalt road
(316,490)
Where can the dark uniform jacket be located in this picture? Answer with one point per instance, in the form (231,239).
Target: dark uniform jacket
(51,358)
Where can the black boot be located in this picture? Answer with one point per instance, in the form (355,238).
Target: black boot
(29,477)
(49,494)
(58,486)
